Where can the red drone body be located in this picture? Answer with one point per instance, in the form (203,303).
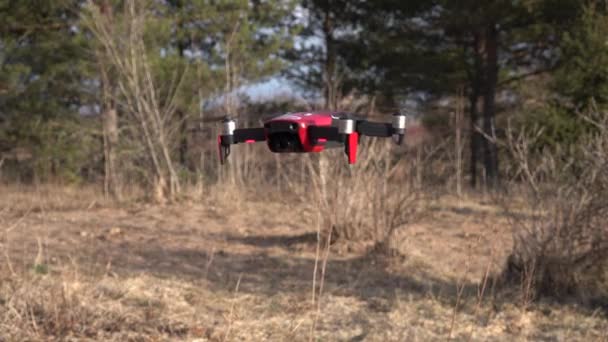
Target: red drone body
(310,132)
(303,121)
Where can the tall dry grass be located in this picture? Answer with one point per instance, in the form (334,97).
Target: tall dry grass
(561,238)
(367,201)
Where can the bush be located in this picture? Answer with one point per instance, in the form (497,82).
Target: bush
(365,202)
(561,242)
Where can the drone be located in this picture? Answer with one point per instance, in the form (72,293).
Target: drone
(310,132)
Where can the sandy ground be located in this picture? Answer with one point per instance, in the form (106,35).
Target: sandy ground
(243,271)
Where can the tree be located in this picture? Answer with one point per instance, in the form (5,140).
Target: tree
(43,85)
(166,59)
(315,59)
(109,113)
(128,49)
(583,75)
(440,46)
(579,85)
(499,42)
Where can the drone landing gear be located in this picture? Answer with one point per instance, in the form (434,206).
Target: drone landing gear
(223,149)
(350,147)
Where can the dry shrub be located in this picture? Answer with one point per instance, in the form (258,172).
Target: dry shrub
(561,238)
(149,103)
(366,201)
(19,199)
(54,306)
(38,309)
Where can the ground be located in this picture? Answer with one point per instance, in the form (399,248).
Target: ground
(78,268)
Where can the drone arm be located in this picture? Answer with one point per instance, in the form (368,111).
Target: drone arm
(329,133)
(351,129)
(249,135)
(375,129)
(395,129)
(349,134)
(232,136)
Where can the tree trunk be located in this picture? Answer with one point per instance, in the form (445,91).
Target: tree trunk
(126,54)
(110,138)
(329,67)
(474,97)
(182,45)
(183,141)
(489,106)
(109,119)
(458,116)
(473,101)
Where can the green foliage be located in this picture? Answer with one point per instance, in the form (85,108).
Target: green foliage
(200,49)
(241,35)
(40,269)
(583,77)
(49,73)
(395,48)
(579,85)
(62,148)
(41,58)
(437,123)
(559,127)
(42,82)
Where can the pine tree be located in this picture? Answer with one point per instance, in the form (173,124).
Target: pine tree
(579,85)
(229,44)
(583,75)
(196,51)
(43,83)
(316,62)
(440,46)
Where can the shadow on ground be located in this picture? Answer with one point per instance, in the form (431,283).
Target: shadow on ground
(275,240)
(365,276)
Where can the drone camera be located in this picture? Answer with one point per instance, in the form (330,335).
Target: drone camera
(283,137)
(280,142)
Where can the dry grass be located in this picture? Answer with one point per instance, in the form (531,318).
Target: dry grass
(141,273)
(561,247)
(367,203)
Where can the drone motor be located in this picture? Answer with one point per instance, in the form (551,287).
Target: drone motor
(346,126)
(228,127)
(226,138)
(399,125)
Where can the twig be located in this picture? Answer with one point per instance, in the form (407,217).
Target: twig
(459,291)
(481,289)
(209,262)
(318,252)
(6,231)
(230,313)
(322,282)
(19,220)
(293,331)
